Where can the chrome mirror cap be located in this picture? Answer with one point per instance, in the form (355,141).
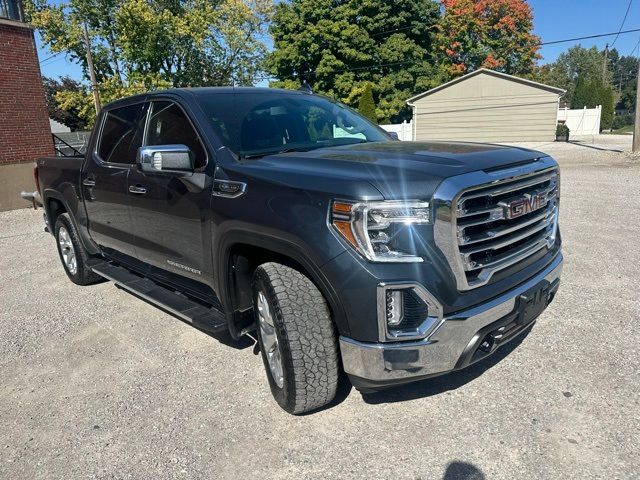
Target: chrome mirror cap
(165,158)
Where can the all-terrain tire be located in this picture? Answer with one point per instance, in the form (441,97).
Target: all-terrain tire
(306,338)
(65,229)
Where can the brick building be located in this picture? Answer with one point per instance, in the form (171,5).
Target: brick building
(24,122)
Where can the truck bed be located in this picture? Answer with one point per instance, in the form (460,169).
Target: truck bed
(61,176)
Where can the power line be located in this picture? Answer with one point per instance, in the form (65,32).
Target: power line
(635,48)
(400,29)
(50,57)
(391,31)
(624,76)
(617,34)
(590,36)
(622,24)
(414,62)
(381,65)
(51,62)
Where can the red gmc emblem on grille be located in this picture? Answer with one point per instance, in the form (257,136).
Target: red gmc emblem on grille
(526,204)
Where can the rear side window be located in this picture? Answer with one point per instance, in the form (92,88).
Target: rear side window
(168,125)
(121,136)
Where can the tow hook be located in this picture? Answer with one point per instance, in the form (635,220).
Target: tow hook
(489,343)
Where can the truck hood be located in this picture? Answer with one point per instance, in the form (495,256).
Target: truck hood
(397,169)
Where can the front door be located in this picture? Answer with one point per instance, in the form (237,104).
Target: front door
(170,213)
(104,180)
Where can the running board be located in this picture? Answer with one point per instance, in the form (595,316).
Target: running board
(197,314)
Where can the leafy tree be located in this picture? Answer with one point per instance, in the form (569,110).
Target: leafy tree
(625,73)
(111,89)
(349,43)
(591,93)
(607,100)
(584,94)
(195,42)
(579,71)
(628,98)
(157,44)
(367,105)
(576,63)
(495,34)
(69,117)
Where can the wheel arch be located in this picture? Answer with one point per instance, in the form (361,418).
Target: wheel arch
(54,203)
(242,252)
(53,207)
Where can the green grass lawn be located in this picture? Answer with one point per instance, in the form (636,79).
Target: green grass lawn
(622,130)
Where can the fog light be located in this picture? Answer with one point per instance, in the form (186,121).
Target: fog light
(394,307)
(406,311)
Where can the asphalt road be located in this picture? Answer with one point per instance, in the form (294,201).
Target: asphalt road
(97,384)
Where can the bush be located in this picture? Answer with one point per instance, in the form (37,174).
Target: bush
(620,121)
(367,105)
(591,93)
(562,130)
(608,106)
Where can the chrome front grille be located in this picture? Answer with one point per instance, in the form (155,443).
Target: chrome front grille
(491,237)
(491,220)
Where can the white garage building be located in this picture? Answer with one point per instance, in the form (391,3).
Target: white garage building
(487,106)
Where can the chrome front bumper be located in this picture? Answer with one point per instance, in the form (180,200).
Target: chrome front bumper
(382,363)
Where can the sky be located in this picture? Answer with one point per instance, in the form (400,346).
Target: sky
(553,20)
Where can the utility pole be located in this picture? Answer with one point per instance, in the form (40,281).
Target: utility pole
(636,125)
(92,73)
(604,63)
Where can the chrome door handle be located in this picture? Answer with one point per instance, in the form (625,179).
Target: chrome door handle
(137,189)
(87,182)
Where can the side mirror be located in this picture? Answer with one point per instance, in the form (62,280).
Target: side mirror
(165,158)
(394,136)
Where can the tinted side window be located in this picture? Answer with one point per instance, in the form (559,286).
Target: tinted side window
(168,125)
(121,136)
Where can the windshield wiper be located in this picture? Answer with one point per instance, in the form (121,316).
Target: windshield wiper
(306,148)
(277,152)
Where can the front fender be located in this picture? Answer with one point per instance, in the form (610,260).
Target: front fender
(284,245)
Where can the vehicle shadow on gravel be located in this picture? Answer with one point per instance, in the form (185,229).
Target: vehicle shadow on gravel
(444,383)
(223,336)
(580,143)
(463,471)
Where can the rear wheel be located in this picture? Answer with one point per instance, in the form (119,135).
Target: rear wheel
(72,254)
(297,338)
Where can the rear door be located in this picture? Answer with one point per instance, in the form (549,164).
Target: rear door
(104,179)
(170,213)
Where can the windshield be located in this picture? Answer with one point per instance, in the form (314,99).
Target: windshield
(258,124)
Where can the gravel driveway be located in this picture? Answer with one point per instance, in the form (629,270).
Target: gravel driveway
(97,384)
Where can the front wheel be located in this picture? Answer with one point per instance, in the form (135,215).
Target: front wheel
(297,338)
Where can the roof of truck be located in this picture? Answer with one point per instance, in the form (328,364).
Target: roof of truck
(230,90)
(200,91)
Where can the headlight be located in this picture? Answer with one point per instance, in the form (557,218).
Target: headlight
(381,231)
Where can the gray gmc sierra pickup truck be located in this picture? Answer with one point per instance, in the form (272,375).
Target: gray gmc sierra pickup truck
(285,212)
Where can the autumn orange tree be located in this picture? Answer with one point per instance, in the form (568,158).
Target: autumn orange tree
(494,34)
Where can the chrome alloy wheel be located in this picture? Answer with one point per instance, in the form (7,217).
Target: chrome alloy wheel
(67,250)
(269,339)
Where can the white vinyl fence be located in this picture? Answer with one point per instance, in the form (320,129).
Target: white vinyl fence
(404,130)
(585,121)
